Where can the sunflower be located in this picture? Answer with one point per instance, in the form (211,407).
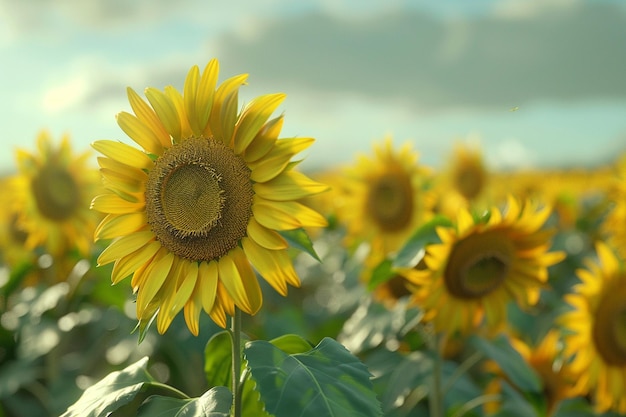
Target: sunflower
(613,225)
(52,192)
(464,182)
(385,197)
(12,238)
(479,266)
(597,338)
(201,204)
(546,359)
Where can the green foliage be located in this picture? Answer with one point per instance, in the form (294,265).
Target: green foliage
(216,402)
(299,239)
(325,381)
(510,361)
(413,250)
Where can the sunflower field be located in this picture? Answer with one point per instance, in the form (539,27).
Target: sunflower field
(194,266)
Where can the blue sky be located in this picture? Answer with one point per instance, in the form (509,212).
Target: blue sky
(429,72)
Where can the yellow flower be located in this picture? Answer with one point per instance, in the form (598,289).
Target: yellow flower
(613,225)
(480,266)
(464,183)
(12,238)
(546,359)
(597,338)
(385,197)
(201,205)
(53,190)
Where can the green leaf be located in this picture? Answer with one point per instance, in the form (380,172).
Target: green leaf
(217,359)
(116,390)
(218,370)
(325,381)
(291,343)
(510,361)
(413,250)
(299,239)
(381,273)
(216,402)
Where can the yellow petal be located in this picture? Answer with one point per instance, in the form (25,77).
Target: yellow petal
(123,153)
(140,133)
(123,169)
(178,102)
(189,98)
(192,312)
(218,313)
(166,111)
(206,91)
(114,225)
(239,280)
(277,159)
(177,300)
(208,278)
(607,259)
(285,215)
(155,276)
(253,117)
(229,117)
(265,237)
(274,266)
(117,181)
(264,140)
(214,127)
(290,185)
(147,115)
(128,264)
(465,221)
(112,203)
(124,245)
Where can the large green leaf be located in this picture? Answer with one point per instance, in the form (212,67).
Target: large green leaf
(510,361)
(325,381)
(218,370)
(218,359)
(216,402)
(119,394)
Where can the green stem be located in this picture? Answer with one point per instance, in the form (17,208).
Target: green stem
(435,398)
(236,355)
(475,403)
(463,367)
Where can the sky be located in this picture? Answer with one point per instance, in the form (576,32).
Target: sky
(533,83)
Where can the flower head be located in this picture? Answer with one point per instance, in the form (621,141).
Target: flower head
(53,189)
(201,204)
(385,197)
(597,338)
(480,266)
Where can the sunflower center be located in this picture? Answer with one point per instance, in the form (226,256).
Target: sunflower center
(609,328)
(469,181)
(477,265)
(390,201)
(199,199)
(56,193)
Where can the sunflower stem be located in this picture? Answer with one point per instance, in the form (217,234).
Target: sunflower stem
(236,356)
(435,398)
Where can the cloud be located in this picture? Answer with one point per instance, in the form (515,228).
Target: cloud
(486,61)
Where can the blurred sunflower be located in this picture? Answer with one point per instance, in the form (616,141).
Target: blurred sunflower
(53,189)
(480,266)
(465,180)
(202,203)
(613,225)
(12,238)
(546,359)
(385,197)
(597,338)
